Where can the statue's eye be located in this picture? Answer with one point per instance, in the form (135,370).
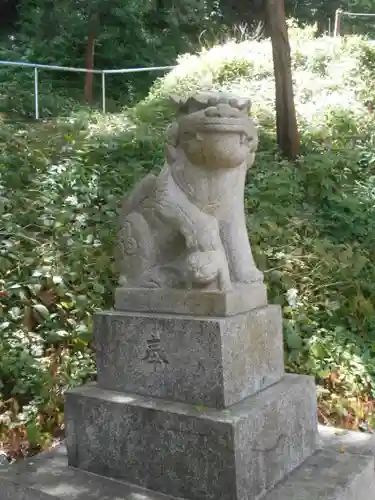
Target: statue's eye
(246,139)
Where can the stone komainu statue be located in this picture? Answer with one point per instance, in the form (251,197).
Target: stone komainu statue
(185,228)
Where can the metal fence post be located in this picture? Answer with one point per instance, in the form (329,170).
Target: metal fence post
(36,94)
(337,29)
(103,91)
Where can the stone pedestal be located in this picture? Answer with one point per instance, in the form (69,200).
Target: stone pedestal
(213,362)
(192,407)
(198,454)
(242,298)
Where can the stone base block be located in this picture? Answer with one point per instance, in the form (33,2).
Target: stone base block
(241,299)
(199,454)
(214,362)
(328,475)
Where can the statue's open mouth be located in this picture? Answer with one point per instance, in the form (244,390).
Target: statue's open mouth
(222,124)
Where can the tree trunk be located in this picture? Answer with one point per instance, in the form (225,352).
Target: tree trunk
(89,76)
(286,121)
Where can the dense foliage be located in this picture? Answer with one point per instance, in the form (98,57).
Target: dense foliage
(136,33)
(311,222)
(128,34)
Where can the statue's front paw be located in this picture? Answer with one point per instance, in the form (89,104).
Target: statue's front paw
(209,269)
(225,283)
(202,267)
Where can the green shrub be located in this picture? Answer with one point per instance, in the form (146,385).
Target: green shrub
(60,186)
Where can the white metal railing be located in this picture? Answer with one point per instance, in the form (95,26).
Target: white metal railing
(127,70)
(102,72)
(340,13)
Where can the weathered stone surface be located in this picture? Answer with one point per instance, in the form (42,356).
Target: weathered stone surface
(232,454)
(203,361)
(329,475)
(48,477)
(355,443)
(205,303)
(186,228)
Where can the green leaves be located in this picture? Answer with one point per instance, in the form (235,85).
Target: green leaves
(42,310)
(294,341)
